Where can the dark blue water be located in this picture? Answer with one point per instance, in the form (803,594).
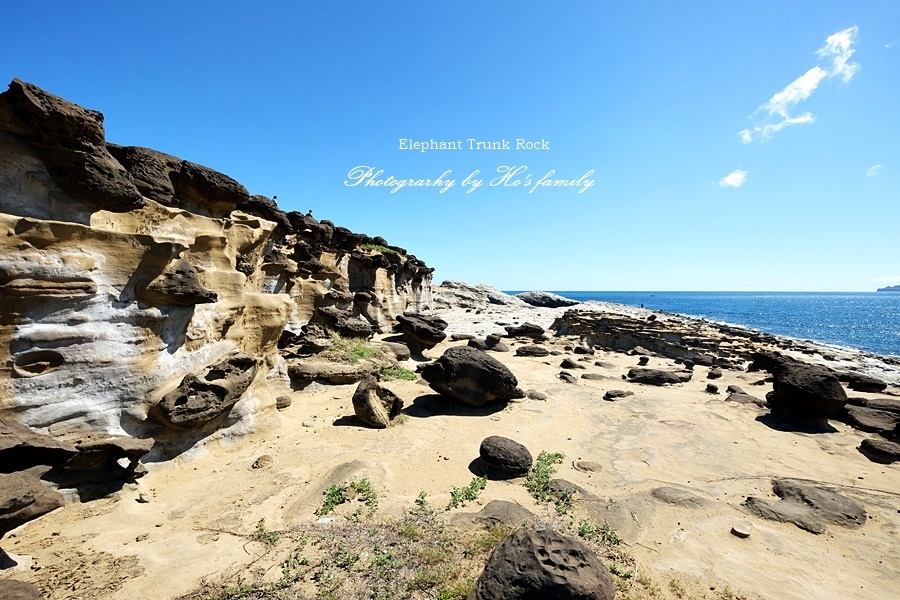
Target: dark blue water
(868,321)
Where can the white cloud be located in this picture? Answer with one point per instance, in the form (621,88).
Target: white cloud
(874,170)
(838,49)
(889,45)
(735,179)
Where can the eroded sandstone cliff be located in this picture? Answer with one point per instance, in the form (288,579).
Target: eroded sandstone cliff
(142,295)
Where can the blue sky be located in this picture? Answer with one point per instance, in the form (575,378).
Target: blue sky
(653,97)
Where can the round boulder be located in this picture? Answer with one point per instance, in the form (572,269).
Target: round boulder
(503,456)
(471,376)
(535,564)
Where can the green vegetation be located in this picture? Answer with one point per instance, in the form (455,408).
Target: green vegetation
(344,492)
(603,535)
(354,349)
(391,372)
(537,482)
(377,248)
(263,535)
(459,496)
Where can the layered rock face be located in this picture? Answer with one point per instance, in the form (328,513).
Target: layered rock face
(143,294)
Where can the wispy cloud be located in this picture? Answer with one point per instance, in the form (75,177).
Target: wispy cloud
(874,170)
(775,113)
(735,179)
(889,45)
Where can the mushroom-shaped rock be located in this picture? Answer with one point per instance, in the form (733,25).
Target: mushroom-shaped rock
(374,404)
(471,376)
(532,564)
(421,332)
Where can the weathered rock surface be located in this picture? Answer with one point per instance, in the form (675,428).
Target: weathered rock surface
(505,457)
(471,376)
(871,419)
(657,376)
(303,371)
(533,351)
(203,397)
(526,330)
(678,497)
(421,332)
(495,513)
(800,389)
(23,497)
(613,395)
(863,383)
(808,506)
(537,564)
(374,404)
(880,450)
(545,299)
(11,589)
(455,294)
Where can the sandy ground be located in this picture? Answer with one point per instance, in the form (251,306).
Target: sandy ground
(679,436)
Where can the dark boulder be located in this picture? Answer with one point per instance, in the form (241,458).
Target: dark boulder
(421,332)
(504,457)
(71,142)
(863,383)
(803,390)
(471,376)
(880,450)
(24,498)
(613,395)
(206,190)
(529,330)
(344,323)
(657,376)
(568,363)
(533,351)
(478,345)
(178,285)
(203,397)
(462,337)
(714,373)
(374,404)
(871,419)
(567,377)
(532,564)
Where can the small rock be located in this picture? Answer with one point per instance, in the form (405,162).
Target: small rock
(568,363)
(643,360)
(503,455)
(535,351)
(308,423)
(712,388)
(143,498)
(536,395)
(567,377)
(586,466)
(714,373)
(142,537)
(612,395)
(262,462)
(282,402)
(743,529)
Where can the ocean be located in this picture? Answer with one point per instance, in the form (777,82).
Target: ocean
(868,321)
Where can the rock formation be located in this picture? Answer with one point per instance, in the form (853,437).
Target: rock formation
(471,376)
(145,296)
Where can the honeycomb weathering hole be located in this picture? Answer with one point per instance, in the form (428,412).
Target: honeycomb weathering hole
(41,362)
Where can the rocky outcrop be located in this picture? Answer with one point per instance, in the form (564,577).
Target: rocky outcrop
(658,376)
(454,294)
(801,389)
(541,563)
(808,506)
(546,299)
(145,295)
(471,376)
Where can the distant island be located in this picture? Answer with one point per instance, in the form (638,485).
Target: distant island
(892,288)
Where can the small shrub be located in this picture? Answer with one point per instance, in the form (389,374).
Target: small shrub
(343,492)
(537,482)
(603,535)
(377,248)
(264,535)
(459,496)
